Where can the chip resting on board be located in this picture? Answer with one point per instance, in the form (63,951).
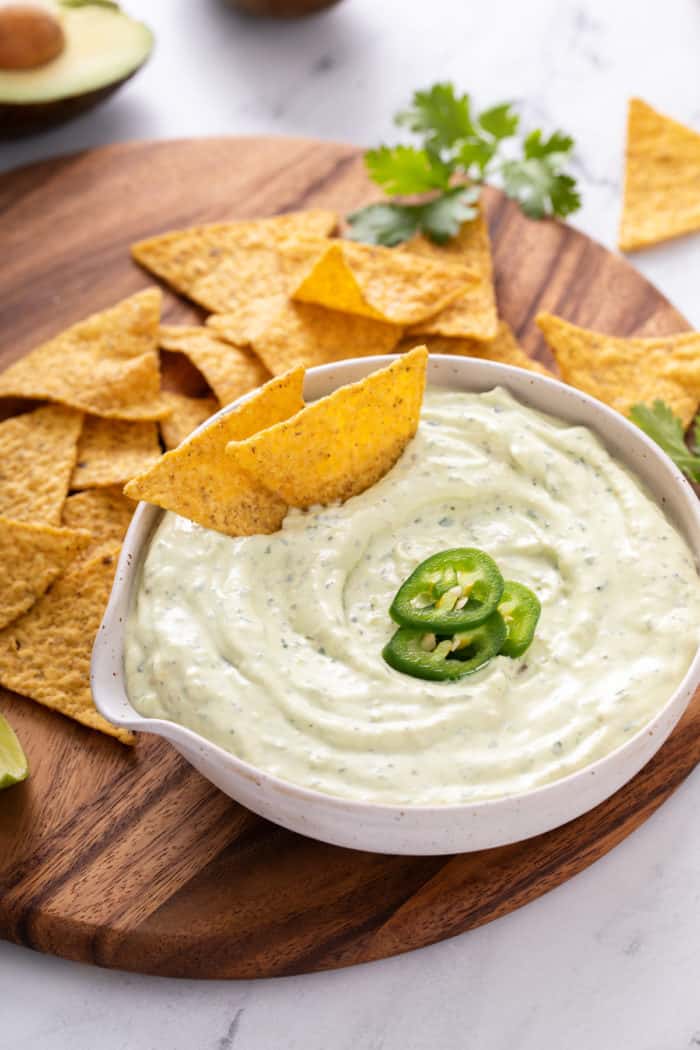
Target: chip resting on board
(31,558)
(337,447)
(623,372)
(37,455)
(229,370)
(106,513)
(662,179)
(111,451)
(504,349)
(106,365)
(186,415)
(45,655)
(200,481)
(399,287)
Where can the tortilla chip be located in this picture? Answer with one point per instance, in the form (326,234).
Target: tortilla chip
(45,655)
(106,365)
(105,512)
(398,287)
(111,451)
(504,349)
(186,415)
(229,370)
(662,179)
(251,271)
(286,335)
(474,314)
(31,558)
(623,372)
(200,482)
(337,447)
(183,257)
(37,455)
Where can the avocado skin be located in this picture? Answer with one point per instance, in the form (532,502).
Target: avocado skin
(18,119)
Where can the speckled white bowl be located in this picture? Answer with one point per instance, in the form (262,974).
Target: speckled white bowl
(418,829)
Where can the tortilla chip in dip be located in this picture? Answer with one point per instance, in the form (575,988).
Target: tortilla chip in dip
(31,558)
(106,513)
(45,655)
(37,456)
(111,451)
(337,447)
(186,415)
(200,481)
(662,179)
(183,257)
(229,370)
(504,349)
(106,365)
(473,315)
(623,372)
(399,287)
(286,334)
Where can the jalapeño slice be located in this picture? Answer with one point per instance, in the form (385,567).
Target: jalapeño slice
(520,609)
(424,654)
(449,592)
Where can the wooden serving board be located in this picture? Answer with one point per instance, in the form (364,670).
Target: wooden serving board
(128,858)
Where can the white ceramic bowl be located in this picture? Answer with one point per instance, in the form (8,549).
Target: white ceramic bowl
(418,829)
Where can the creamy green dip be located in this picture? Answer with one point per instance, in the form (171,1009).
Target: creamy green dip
(271,646)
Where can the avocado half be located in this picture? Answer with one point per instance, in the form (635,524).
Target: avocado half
(103,49)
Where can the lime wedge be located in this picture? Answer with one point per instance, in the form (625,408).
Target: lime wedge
(13,764)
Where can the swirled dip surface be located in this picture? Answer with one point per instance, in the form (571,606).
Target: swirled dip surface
(271,645)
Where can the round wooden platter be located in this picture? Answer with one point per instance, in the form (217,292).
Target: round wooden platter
(128,858)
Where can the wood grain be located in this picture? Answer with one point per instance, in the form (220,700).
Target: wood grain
(132,860)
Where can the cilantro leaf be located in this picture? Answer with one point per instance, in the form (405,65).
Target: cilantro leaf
(660,424)
(442,217)
(539,186)
(405,169)
(440,115)
(387,224)
(476,153)
(557,142)
(500,121)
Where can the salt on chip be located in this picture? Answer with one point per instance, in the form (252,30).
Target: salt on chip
(398,287)
(662,179)
(106,513)
(473,315)
(285,334)
(106,365)
(622,372)
(37,455)
(45,655)
(504,349)
(229,370)
(199,480)
(184,257)
(187,413)
(339,446)
(31,558)
(111,451)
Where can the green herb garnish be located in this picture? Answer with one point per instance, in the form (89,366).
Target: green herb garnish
(666,429)
(459,150)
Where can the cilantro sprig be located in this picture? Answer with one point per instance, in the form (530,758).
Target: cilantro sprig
(660,424)
(458,151)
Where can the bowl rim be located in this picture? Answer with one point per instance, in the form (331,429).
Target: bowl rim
(147,516)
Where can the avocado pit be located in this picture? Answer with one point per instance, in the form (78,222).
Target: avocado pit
(30,36)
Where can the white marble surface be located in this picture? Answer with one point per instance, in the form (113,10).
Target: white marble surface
(612,959)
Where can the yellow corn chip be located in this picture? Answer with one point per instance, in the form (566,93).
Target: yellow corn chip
(250,271)
(31,558)
(106,365)
(285,334)
(200,482)
(183,257)
(622,372)
(337,447)
(662,179)
(37,456)
(504,349)
(229,370)
(111,451)
(105,512)
(186,415)
(45,655)
(398,287)
(474,314)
